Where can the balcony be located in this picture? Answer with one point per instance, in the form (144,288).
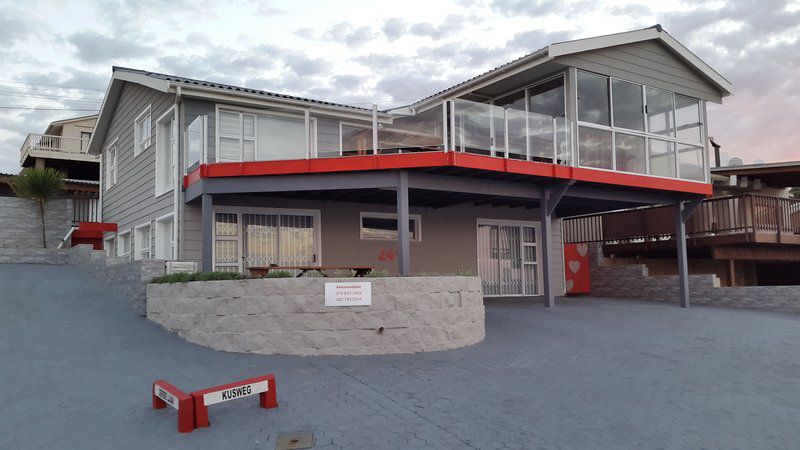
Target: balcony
(741,219)
(55,147)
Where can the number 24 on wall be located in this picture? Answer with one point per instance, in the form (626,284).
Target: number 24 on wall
(386,254)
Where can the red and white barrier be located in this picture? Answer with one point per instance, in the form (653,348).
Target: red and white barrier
(166,394)
(264,386)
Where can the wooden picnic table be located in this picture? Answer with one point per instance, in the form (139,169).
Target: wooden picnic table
(260,272)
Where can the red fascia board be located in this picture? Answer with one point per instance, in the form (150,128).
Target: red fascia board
(444,159)
(97,226)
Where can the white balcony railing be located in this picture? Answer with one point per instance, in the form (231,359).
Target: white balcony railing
(72,147)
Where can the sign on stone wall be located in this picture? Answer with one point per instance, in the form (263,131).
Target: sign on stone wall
(348,294)
(181,267)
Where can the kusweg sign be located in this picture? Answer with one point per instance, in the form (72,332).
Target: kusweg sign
(212,398)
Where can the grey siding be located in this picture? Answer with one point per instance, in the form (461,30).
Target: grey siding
(647,62)
(449,235)
(132,202)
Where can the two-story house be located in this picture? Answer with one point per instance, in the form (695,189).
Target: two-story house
(475,177)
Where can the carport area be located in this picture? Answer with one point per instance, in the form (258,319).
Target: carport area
(77,364)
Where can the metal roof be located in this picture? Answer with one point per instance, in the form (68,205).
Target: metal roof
(229,87)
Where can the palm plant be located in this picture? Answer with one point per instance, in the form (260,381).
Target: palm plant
(39,185)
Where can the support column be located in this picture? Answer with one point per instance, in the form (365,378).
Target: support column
(403,246)
(207,214)
(683,211)
(546,243)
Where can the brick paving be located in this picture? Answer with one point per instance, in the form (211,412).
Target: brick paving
(76,363)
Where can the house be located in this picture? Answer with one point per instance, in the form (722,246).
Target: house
(478,174)
(747,234)
(64,146)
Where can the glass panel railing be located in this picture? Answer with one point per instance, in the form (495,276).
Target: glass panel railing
(479,127)
(423,131)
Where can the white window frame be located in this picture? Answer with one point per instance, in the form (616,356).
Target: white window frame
(140,245)
(164,250)
(143,131)
(111,164)
(417,218)
(109,245)
(124,251)
(645,134)
(311,152)
(203,143)
(239,238)
(169,119)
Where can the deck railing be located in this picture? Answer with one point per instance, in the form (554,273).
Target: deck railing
(752,217)
(38,141)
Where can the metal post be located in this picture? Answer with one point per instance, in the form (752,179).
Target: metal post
(374,128)
(207,214)
(546,231)
(403,246)
(307,119)
(680,243)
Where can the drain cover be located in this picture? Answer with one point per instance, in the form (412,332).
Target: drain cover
(294,440)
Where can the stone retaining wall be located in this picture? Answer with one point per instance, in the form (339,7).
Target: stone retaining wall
(20,226)
(289,316)
(632,281)
(128,278)
(32,255)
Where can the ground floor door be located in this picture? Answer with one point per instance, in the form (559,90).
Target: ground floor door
(259,237)
(508,258)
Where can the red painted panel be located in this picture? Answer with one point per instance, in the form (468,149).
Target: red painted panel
(97,226)
(576,268)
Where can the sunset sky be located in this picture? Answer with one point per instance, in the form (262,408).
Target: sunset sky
(57,56)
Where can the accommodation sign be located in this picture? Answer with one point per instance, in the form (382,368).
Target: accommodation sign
(348,294)
(232,393)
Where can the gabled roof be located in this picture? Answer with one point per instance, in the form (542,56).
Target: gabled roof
(555,50)
(59,123)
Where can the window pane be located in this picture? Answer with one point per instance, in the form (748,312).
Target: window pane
(229,149)
(691,162)
(281,138)
(594,147)
(548,98)
(249,126)
(593,98)
(628,105)
(194,143)
(630,153)
(687,116)
(249,147)
(660,117)
(384,228)
(226,224)
(662,158)
(229,123)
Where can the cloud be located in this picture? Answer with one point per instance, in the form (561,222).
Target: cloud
(530,8)
(93,47)
(394,28)
(345,33)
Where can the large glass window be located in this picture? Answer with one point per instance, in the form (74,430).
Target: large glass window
(251,137)
(548,98)
(628,105)
(687,119)
(195,143)
(660,115)
(662,158)
(630,153)
(593,103)
(690,162)
(594,147)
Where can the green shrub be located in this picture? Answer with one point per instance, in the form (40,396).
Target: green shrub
(279,274)
(198,276)
(378,273)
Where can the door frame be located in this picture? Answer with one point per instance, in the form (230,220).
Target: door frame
(537,233)
(239,210)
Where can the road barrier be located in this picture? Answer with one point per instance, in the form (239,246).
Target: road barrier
(166,394)
(264,386)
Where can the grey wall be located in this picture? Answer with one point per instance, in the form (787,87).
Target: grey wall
(647,62)
(20,226)
(449,235)
(132,202)
(289,316)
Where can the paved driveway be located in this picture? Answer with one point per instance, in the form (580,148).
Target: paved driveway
(76,365)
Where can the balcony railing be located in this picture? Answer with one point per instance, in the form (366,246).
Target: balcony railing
(51,143)
(723,220)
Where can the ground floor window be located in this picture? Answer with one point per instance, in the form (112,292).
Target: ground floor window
(508,257)
(108,246)
(383,226)
(124,245)
(259,237)
(142,242)
(165,237)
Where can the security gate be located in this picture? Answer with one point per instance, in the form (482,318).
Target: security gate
(258,238)
(508,257)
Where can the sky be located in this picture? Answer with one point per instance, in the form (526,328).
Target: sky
(57,55)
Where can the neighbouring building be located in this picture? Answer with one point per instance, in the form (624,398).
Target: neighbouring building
(476,177)
(747,234)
